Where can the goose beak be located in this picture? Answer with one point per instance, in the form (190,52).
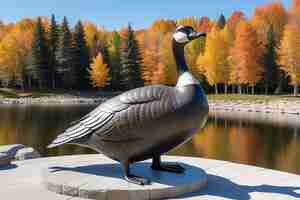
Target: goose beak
(196,35)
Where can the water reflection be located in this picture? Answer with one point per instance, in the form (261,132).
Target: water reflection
(256,140)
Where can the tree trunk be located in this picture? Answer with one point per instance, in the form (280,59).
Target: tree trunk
(53,81)
(266,89)
(216,88)
(279,87)
(253,91)
(29,82)
(240,89)
(232,89)
(296,89)
(225,88)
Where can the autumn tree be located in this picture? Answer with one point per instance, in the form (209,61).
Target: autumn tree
(53,38)
(266,16)
(204,25)
(159,75)
(289,52)
(295,8)
(130,61)
(14,52)
(272,15)
(150,55)
(246,54)
(80,57)
(92,38)
(234,20)
(214,61)
(99,72)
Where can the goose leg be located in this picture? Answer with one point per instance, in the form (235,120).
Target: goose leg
(158,165)
(133,178)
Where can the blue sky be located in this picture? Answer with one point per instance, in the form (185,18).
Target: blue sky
(113,14)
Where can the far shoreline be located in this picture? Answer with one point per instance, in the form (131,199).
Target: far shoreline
(268,105)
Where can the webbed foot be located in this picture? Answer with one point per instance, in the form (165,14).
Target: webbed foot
(168,167)
(137,180)
(133,178)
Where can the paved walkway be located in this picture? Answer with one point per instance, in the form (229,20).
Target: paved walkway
(23,180)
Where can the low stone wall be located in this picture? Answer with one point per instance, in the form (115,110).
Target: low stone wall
(51,100)
(275,106)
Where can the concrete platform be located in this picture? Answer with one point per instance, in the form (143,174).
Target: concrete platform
(102,178)
(23,180)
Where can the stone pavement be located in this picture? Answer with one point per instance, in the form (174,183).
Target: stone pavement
(102,178)
(23,180)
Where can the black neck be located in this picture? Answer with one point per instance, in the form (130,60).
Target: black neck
(178,51)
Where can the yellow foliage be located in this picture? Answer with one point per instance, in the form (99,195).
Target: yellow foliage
(214,62)
(289,51)
(14,49)
(99,72)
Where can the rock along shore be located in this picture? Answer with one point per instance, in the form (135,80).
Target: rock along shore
(64,100)
(259,106)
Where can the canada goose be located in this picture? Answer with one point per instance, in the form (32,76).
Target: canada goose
(145,122)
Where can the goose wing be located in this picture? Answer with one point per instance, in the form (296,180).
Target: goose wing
(145,105)
(126,110)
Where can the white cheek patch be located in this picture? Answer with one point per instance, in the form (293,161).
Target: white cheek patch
(180,37)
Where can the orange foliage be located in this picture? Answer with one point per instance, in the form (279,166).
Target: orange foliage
(270,15)
(295,8)
(234,19)
(245,56)
(289,51)
(99,72)
(159,75)
(204,25)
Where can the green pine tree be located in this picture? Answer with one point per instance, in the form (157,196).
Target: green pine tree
(269,59)
(81,57)
(130,62)
(221,21)
(38,69)
(115,62)
(64,56)
(53,39)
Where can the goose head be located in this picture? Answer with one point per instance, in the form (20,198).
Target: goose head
(186,34)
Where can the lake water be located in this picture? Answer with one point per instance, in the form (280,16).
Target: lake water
(254,140)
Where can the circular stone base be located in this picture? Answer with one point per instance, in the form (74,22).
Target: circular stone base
(102,178)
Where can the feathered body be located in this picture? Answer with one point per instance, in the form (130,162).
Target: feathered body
(141,123)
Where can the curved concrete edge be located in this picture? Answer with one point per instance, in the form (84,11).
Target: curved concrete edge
(19,152)
(100,179)
(4,159)
(225,180)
